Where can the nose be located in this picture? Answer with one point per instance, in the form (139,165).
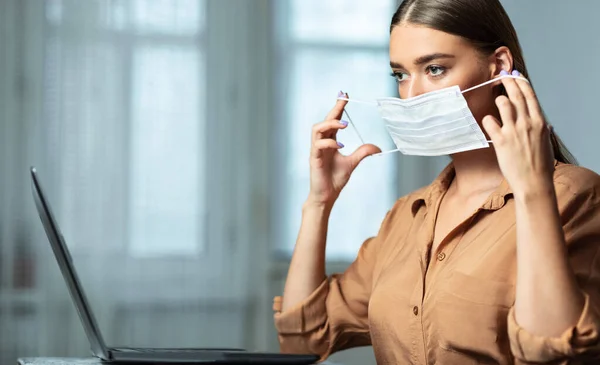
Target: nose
(414,88)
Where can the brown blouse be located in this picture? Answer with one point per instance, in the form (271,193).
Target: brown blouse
(455,305)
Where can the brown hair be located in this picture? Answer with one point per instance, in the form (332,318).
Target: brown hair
(485,24)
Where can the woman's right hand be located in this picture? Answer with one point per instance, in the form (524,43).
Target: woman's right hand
(329,169)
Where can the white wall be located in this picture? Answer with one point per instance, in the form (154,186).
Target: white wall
(562,50)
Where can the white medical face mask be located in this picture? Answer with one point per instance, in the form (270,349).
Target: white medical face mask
(432,124)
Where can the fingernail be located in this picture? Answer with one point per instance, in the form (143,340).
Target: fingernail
(343,122)
(503,73)
(516,73)
(340,94)
(340,144)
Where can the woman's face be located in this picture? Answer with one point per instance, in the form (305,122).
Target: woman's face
(424,60)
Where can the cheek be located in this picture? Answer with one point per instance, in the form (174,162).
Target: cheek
(481,103)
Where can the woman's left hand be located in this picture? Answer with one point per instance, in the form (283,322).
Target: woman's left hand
(522,140)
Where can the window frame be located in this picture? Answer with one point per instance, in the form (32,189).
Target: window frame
(220,270)
(125,41)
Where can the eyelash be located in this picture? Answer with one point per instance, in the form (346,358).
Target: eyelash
(442,70)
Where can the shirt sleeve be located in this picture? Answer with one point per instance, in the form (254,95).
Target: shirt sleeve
(335,316)
(575,346)
(580,343)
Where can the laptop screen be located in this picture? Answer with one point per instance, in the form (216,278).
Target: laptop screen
(67,269)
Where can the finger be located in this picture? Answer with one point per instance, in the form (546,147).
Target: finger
(516,96)
(336,112)
(506,110)
(533,105)
(362,152)
(327,129)
(330,125)
(498,78)
(324,144)
(347,118)
(344,111)
(492,128)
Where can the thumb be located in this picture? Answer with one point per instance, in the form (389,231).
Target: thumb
(362,152)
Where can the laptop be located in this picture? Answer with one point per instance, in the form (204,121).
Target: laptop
(139,355)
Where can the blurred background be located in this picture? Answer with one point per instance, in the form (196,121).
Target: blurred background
(172,138)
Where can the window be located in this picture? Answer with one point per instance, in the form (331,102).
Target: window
(125,97)
(344,48)
(165,179)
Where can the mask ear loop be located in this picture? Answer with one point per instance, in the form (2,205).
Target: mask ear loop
(386,152)
(350,119)
(354,127)
(494,80)
(361,139)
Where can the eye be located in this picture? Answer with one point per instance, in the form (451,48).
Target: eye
(399,76)
(436,71)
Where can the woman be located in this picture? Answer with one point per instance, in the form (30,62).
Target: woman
(496,261)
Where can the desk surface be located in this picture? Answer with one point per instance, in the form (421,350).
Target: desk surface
(78,361)
(59,361)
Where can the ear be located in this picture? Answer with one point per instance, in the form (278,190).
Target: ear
(501,59)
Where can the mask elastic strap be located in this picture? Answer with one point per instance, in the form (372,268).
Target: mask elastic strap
(494,80)
(350,119)
(354,127)
(385,152)
(359,101)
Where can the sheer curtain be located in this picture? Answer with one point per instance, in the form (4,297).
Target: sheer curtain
(108,99)
(123,99)
(325,47)
(171,139)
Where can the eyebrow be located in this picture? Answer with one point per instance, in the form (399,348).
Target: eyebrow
(424,59)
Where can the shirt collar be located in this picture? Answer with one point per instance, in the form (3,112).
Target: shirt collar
(428,195)
(501,195)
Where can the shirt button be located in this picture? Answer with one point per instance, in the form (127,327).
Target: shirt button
(415,310)
(441,256)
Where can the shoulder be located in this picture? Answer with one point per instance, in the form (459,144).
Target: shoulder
(573,181)
(578,197)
